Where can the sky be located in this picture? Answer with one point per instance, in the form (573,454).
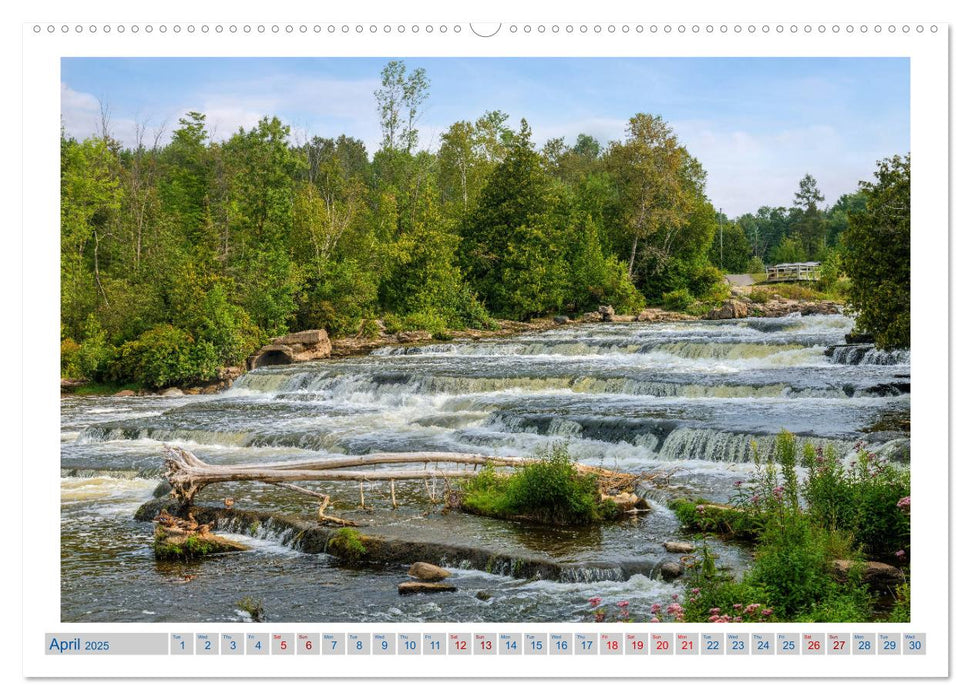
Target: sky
(757,125)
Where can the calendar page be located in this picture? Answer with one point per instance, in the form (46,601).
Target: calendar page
(433,347)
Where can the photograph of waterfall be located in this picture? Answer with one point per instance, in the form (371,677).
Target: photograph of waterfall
(421,340)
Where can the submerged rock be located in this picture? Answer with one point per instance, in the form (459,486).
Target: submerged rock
(125,392)
(560,320)
(423,571)
(409,587)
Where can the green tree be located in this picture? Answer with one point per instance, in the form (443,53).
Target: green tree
(649,169)
(730,248)
(400,98)
(877,255)
(516,202)
(809,226)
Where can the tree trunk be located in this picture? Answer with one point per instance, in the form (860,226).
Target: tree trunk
(188,474)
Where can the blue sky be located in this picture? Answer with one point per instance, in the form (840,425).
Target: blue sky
(756,124)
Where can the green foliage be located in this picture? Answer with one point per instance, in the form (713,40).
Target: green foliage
(794,290)
(95,354)
(166,356)
(70,365)
(755,265)
(877,255)
(760,295)
(730,521)
(799,529)
(549,491)
(790,250)
(348,545)
(862,499)
(678,300)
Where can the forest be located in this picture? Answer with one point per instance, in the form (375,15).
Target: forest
(180,258)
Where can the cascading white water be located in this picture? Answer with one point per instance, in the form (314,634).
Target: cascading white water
(689,397)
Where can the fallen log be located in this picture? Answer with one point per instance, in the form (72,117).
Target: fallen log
(188,474)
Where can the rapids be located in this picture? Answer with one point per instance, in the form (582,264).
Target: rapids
(637,397)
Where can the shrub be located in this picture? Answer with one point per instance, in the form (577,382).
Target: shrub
(794,290)
(703,516)
(755,265)
(166,356)
(760,296)
(95,353)
(864,499)
(549,491)
(678,300)
(427,321)
(70,365)
(798,531)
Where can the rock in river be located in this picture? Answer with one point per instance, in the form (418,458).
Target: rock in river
(423,571)
(670,570)
(679,547)
(424,587)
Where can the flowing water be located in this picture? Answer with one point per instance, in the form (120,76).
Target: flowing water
(634,397)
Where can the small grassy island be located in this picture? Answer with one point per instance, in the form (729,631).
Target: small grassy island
(549,491)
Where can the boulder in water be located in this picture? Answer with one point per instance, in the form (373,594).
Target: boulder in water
(125,392)
(679,547)
(626,501)
(173,391)
(409,587)
(561,320)
(606,313)
(423,571)
(671,570)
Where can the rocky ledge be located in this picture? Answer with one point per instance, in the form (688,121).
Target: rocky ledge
(302,346)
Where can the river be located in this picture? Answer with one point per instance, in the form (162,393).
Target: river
(690,397)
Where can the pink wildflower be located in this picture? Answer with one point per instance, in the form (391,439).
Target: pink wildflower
(737,606)
(904,503)
(736,619)
(654,619)
(715,611)
(595,601)
(655,608)
(623,604)
(767,612)
(901,554)
(695,591)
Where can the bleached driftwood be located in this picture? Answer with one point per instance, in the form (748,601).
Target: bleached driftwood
(188,474)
